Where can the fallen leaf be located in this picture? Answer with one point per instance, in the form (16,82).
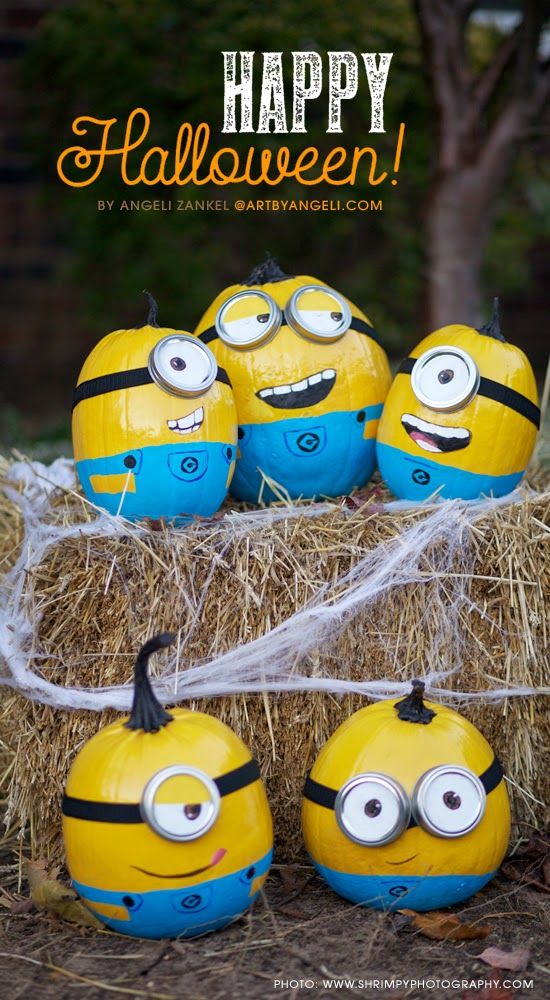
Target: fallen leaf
(514,961)
(21,906)
(523,876)
(446,926)
(52,896)
(293,880)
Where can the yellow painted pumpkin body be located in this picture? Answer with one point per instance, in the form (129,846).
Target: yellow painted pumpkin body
(478,448)
(308,406)
(132,877)
(416,869)
(144,451)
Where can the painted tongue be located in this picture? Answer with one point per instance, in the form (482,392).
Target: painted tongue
(422,438)
(217,856)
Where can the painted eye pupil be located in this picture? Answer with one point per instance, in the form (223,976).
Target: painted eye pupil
(447,375)
(452,800)
(178,364)
(373,808)
(192,811)
(336,315)
(262,317)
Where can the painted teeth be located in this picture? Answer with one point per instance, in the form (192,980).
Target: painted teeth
(188,424)
(427,428)
(280,390)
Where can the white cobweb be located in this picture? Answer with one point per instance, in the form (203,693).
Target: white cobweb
(277,660)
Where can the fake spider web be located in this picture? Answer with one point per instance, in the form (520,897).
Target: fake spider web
(274,661)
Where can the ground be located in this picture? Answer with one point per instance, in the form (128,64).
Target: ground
(299,933)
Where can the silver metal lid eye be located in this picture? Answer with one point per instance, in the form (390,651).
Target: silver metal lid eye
(372,809)
(182,365)
(318,313)
(449,801)
(445,378)
(248,319)
(180,803)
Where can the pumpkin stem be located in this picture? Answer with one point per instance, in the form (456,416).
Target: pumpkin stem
(492,328)
(412,708)
(147,712)
(268,270)
(153,314)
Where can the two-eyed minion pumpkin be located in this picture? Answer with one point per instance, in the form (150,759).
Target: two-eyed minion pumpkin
(166,822)
(461,417)
(154,424)
(309,379)
(406,806)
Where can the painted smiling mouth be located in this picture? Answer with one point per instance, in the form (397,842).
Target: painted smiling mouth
(306,392)
(404,861)
(216,857)
(188,424)
(433,437)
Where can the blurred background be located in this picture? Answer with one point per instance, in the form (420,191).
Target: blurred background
(469,218)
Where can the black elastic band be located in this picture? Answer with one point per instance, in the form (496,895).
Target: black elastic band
(124,380)
(129,812)
(492,390)
(492,776)
(322,795)
(239,778)
(101,812)
(109,383)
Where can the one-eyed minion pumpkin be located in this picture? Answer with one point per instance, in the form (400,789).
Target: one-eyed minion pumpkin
(166,822)
(406,806)
(461,416)
(309,378)
(154,424)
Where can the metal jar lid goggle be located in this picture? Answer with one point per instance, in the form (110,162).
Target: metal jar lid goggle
(445,378)
(251,318)
(182,365)
(373,809)
(176,819)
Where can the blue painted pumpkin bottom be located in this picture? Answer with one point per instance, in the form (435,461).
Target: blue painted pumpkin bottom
(311,457)
(182,912)
(393,892)
(172,481)
(411,477)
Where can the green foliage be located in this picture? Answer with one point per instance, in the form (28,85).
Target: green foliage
(107,57)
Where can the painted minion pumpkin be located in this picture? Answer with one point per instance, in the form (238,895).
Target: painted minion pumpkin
(166,822)
(406,806)
(461,416)
(154,424)
(309,379)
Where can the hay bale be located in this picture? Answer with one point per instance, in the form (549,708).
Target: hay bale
(95,599)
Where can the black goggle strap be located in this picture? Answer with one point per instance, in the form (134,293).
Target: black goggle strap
(124,380)
(129,812)
(492,390)
(356,324)
(322,795)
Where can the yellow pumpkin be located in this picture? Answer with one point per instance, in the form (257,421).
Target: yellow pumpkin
(406,806)
(166,823)
(154,424)
(309,379)
(461,416)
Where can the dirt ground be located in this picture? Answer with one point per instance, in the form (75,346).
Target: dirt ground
(298,937)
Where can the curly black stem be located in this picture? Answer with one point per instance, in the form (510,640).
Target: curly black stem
(492,328)
(153,314)
(412,707)
(268,270)
(147,712)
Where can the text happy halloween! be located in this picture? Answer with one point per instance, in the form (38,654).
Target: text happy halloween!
(190,161)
